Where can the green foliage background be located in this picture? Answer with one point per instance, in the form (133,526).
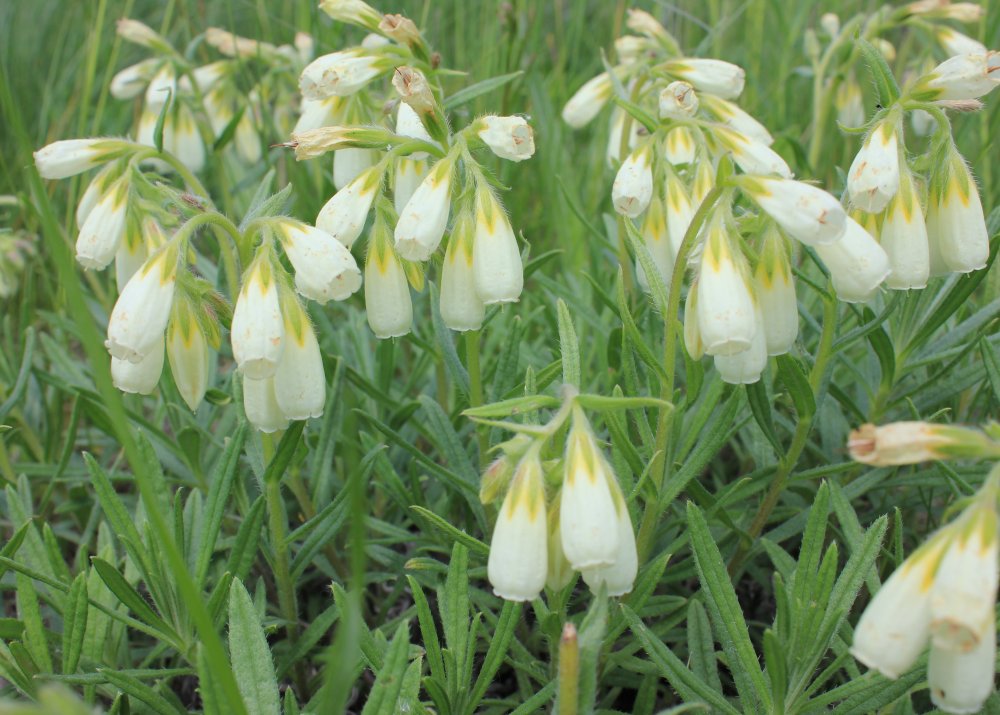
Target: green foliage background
(394,448)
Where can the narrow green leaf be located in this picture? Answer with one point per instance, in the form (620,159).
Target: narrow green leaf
(591,639)
(760,407)
(220,488)
(75,623)
(140,691)
(793,376)
(450,532)
(34,629)
(389,679)
(689,686)
(701,646)
(499,644)
(658,287)
(428,630)
(727,617)
(513,406)
(250,655)
(600,402)
(777,669)
(569,346)
(131,598)
(882,77)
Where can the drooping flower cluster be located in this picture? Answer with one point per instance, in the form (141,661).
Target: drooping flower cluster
(165,310)
(405,166)
(585,526)
(945,593)
(219,101)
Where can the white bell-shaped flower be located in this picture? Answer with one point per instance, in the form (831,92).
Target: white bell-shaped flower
(324,268)
(874,176)
(387,292)
(964,594)
(805,212)
(104,227)
(654,233)
(349,164)
(423,220)
(188,353)
(849,103)
(745,367)
(69,157)
(509,138)
(775,291)
(344,215)
(956,43)
(140,315)
(961,682)
(633,187)
(141,377)
(584,105)
(679,146)
(407,177)
(904,238)
(461,307)
(722,79)
(496,260)
(588,519)
(518,560)
(316,113)
(341,73)
(258,327)
(725,304)
(735,118)
(857,263)
(132,80)
(261,405)
(678,100)
(752,156)
(692,332)
(619,577)
(680,212)
(962,77)
(299,381)
(956,226)
(895,627)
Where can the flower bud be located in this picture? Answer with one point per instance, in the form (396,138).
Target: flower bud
(752,156)
(141,34)
(188,353)
(316,142)
(725,305)
(496,479)
(923,123)
(387,293)
(775,291)
(830,23)
(261,405)
(401,29)
(633,187)
(956,226)
(678,100)
(628,48)
(805,212)
(588,519)
(584,105)
(904,238)
(258,328)
(408,124)
(69,157)
(560,571)
(704,182)
(423,220)
(413,88)
(643,23)
(461,307)
(354,12)
(344,215)
(140,314)
(873,178)
(507,137)
(947,10)
(679,147)
(341,73)
(324,269)
(615,128)
(104,227)
(496,261)
(712,76)
(518,560)
(299,380)
(857,263)
(235,46)
(182,138)
(912,442)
